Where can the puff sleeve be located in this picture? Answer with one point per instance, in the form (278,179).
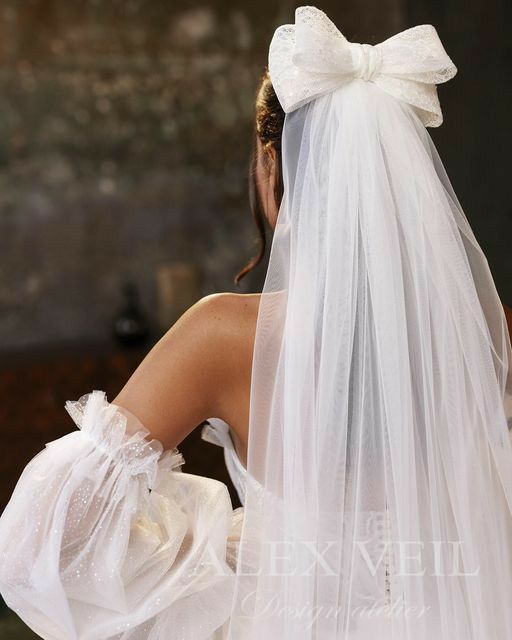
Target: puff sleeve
(105,537)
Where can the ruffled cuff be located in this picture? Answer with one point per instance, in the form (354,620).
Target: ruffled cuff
(121,436)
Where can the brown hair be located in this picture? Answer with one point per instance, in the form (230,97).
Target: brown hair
(268,128)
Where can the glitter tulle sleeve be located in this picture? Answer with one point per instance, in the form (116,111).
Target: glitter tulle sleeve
(105,536)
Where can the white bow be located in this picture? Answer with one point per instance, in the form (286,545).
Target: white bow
(312,57)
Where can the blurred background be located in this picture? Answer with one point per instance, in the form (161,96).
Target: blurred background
(125,132)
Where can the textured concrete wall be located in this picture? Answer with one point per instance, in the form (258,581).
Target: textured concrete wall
(124,135)
(125,128)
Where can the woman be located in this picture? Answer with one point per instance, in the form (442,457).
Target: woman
(364,391)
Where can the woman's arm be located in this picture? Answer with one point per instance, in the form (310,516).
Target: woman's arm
(188,376)
(104,535)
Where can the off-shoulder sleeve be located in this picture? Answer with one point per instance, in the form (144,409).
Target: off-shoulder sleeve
(105,537)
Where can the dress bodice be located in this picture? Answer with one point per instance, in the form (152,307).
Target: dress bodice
(217,432)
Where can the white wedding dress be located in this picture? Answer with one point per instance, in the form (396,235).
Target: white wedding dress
(106,537)
(217,432)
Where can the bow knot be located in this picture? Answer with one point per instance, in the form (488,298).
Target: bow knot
(312,57)
(368,60)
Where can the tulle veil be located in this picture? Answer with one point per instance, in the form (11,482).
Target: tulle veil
(379,500)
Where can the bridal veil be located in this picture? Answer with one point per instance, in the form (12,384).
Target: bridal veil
(378,435)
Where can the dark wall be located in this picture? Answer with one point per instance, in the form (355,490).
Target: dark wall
(475,139)
(124,135)
(125,128)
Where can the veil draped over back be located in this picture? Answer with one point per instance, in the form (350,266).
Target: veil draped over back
(379,501)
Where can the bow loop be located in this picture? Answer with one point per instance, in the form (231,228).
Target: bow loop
(312,58)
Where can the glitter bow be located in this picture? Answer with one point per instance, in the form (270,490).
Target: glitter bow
(312,57)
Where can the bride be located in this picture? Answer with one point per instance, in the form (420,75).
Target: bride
(360,399)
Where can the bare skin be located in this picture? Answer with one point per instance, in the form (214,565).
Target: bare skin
(201,368)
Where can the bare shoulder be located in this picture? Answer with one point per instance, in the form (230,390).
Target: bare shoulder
(217,331)
(227,313)
(227,324)
(228,305)
(217,315)
(197,369)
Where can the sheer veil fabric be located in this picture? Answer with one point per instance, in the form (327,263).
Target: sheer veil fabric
(378,434)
